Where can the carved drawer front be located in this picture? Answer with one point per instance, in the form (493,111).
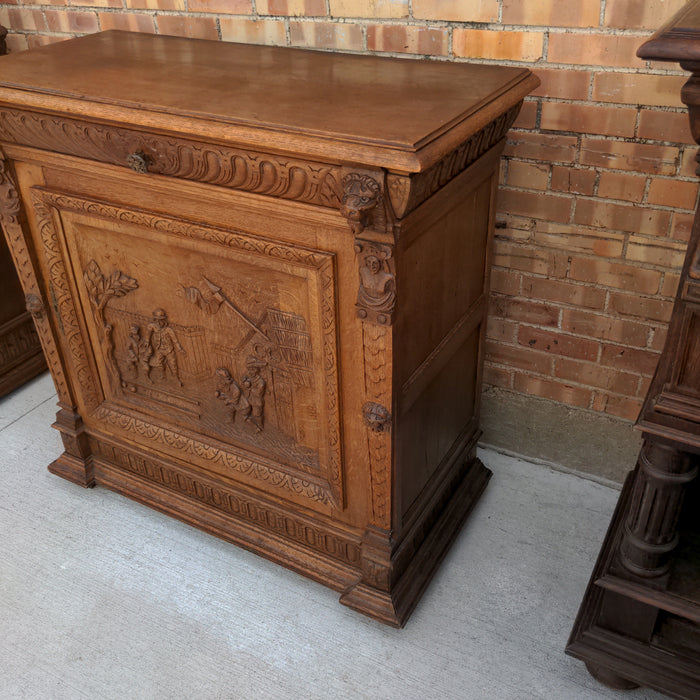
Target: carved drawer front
(215,347)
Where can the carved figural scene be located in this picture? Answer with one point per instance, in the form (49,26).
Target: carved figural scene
(211,346)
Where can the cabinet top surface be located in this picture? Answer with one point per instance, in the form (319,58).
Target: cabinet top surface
(396,103)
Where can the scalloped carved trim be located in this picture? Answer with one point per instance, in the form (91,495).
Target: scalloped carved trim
(197,448)
(261,173)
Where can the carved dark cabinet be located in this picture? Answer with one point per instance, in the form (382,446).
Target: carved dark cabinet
(639,622)
(261,277)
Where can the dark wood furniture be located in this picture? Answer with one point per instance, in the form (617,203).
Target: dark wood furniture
(20,351)
(639,622)
(260,278)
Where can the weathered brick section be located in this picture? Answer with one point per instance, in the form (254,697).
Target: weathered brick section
(598,185)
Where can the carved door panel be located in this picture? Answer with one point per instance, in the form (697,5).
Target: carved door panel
(213,346)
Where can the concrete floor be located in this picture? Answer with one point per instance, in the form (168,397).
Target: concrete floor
(102,598)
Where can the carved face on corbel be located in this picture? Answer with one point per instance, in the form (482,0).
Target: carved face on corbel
(360,195)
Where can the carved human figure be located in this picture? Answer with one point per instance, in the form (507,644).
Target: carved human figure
(163,343)
(254,386)
(132,350)
(377,289)
(228,390)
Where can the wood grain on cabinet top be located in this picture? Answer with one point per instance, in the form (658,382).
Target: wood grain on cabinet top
(411,111)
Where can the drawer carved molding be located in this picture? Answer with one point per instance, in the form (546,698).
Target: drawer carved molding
(234,278)
(262,173)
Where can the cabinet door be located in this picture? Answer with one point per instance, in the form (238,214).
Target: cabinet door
(213,346)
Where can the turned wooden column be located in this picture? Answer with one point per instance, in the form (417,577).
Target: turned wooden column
(651,528)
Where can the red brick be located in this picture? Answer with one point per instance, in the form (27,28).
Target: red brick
(516,256)
(593,375)
(564,292)
(629,359)
(602,327)
(192,27)
(621,186)
(619,406)
(638,88)
(573,180)
(400,38)
(127,22)
(552,14)
(253,31)
(297,8)
(576,239)
(528,175)
(518,357)
(594,49)
(689,164)
(616,275)
(176,5)
(620,217)
(326,35)
(228,7)
(659,338)
(456,10)
(641,307)
(18,19)
(588,119)
(543,147)
(369,8)
(673,193)
(552,389)
(505,281)
(534,204)
(623,155)
(649,14)
(681,226)
(501,330)
(664,126)
(524,311)
(664,253)
(527,118)
(115,3)
(508,45)
(16,42)
(669,287)
(558,343)
(71,21)
(563,84)
(497,376)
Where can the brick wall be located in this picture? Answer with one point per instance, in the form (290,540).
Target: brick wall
(584,276)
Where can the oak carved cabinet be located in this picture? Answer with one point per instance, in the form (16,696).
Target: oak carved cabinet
(259,276)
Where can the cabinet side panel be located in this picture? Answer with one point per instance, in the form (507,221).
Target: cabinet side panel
(442,280)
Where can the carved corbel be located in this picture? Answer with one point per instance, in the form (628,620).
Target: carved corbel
(9,199)
(35,306)
(361,195)
(376,295)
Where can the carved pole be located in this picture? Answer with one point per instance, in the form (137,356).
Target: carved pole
(651,529)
